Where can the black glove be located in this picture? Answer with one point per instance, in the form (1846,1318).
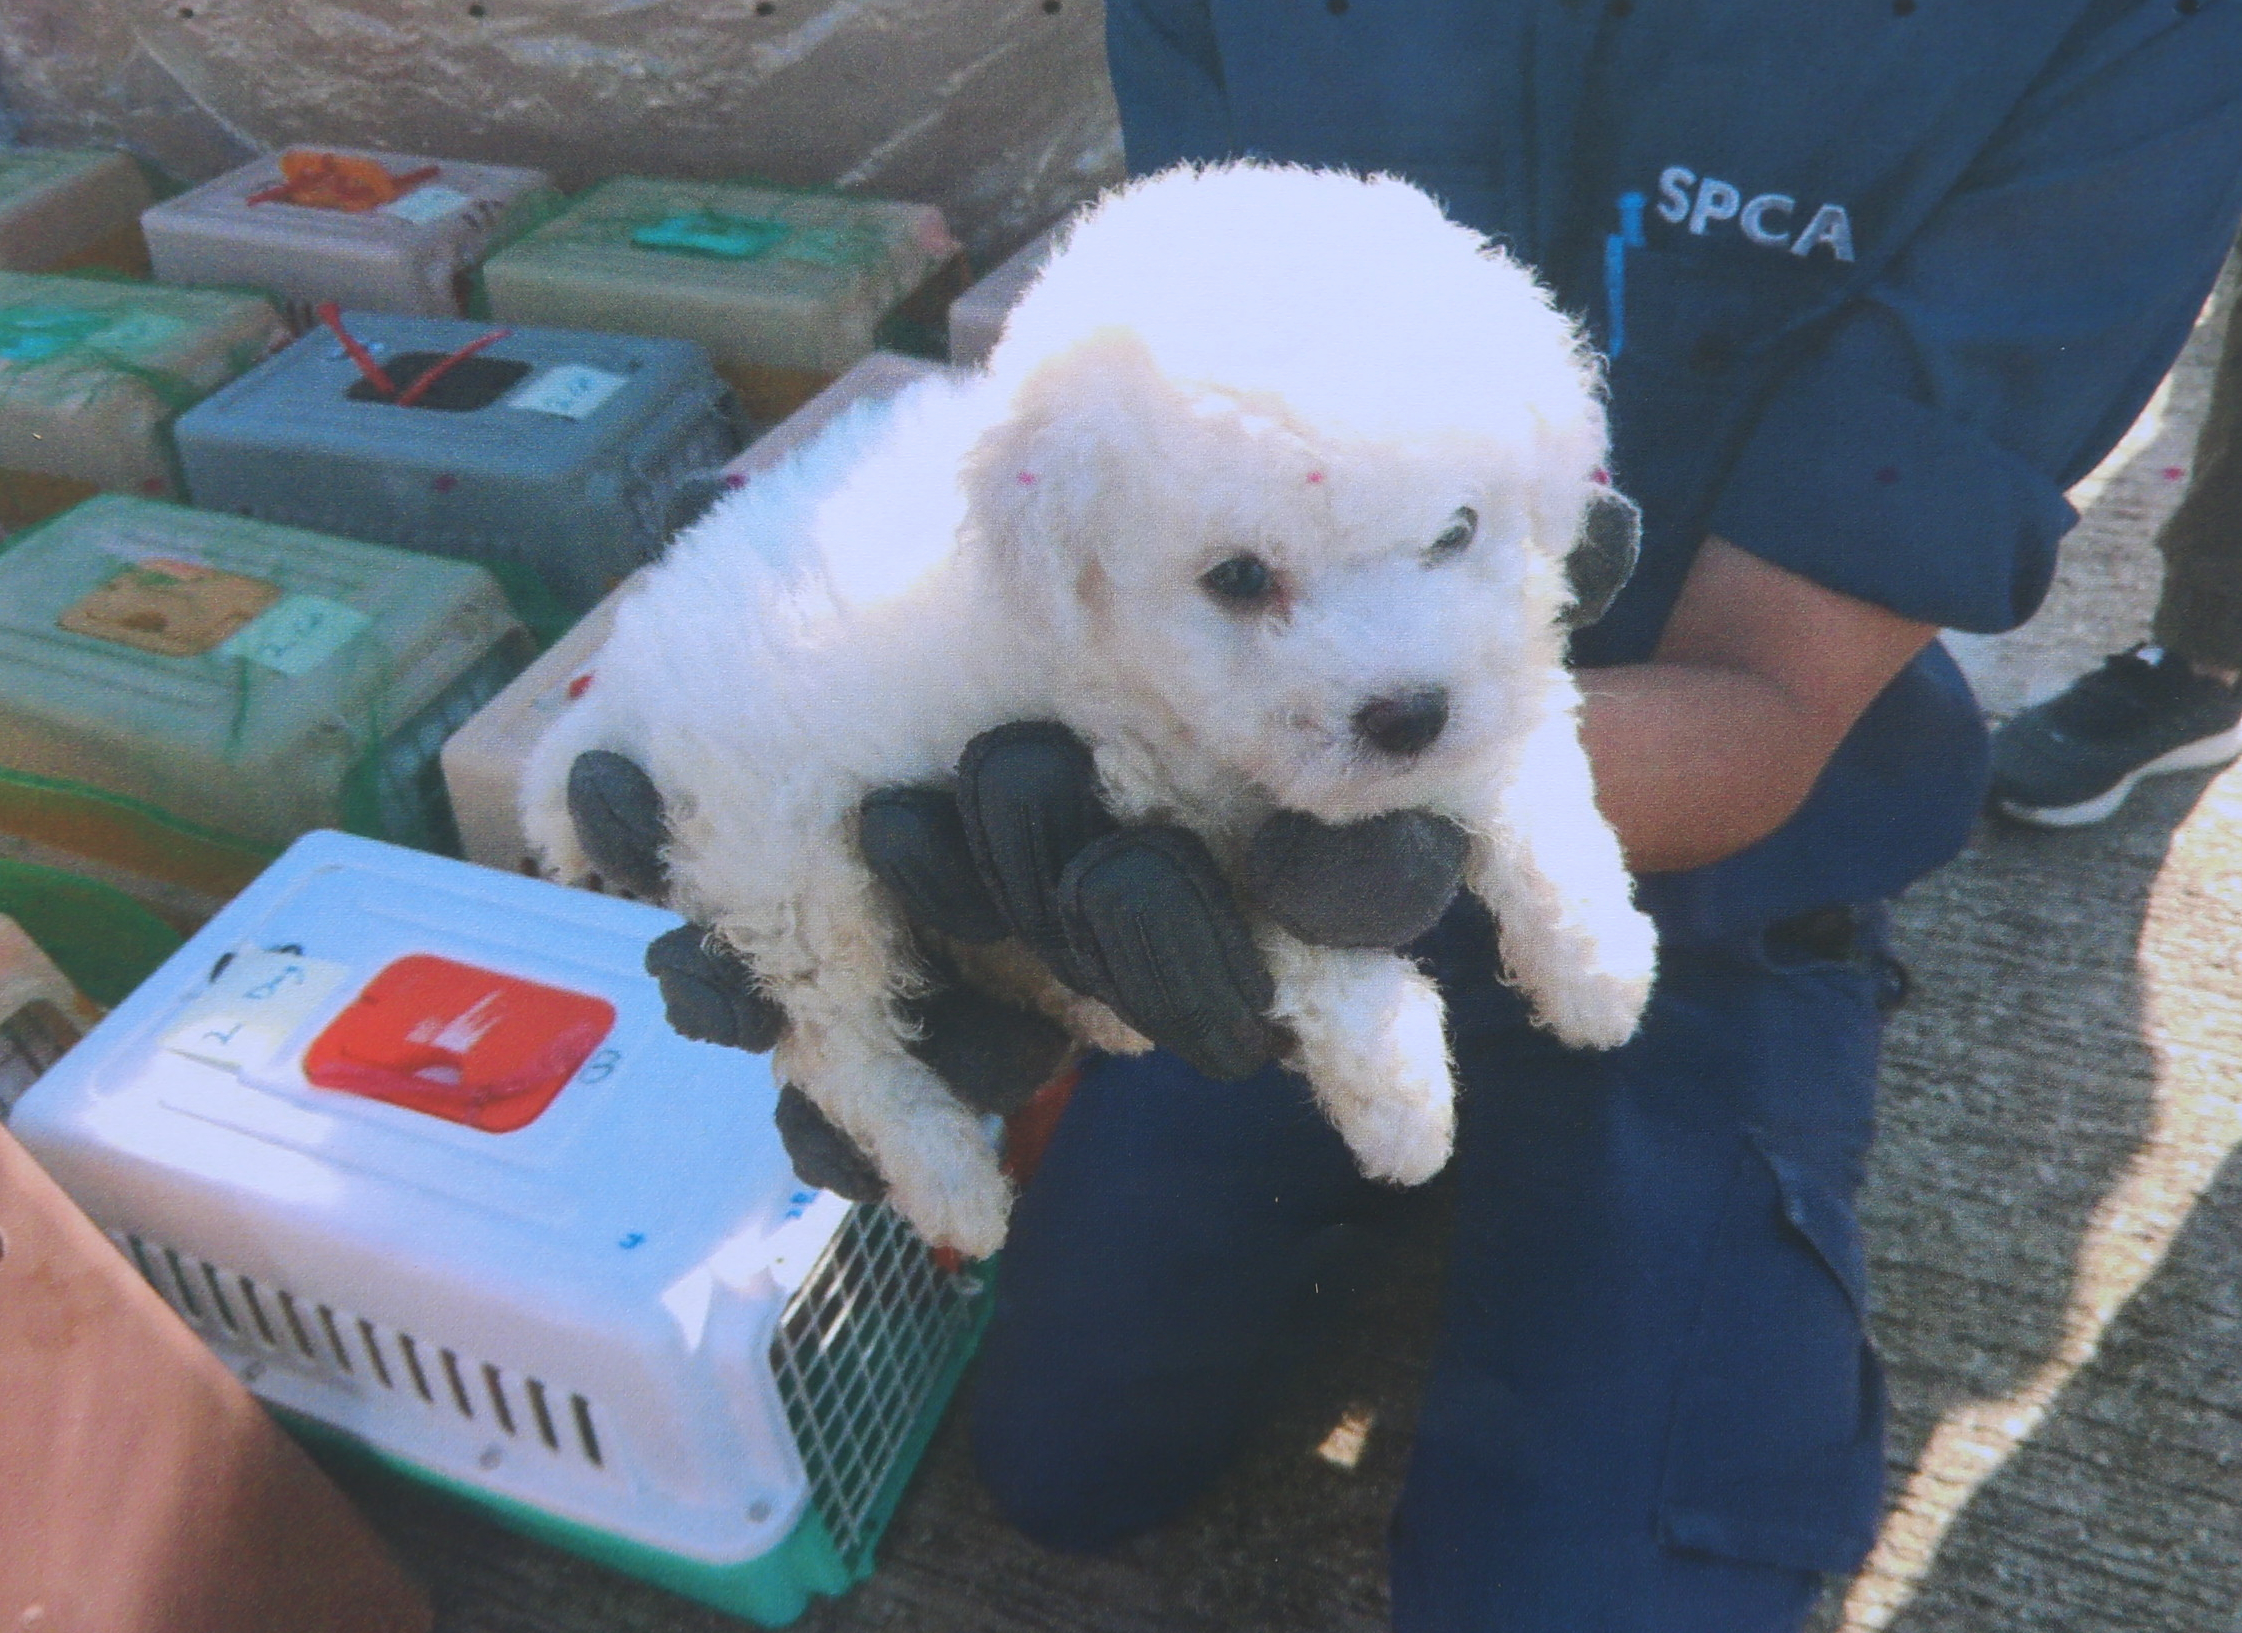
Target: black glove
(1138,917)
(992,1055)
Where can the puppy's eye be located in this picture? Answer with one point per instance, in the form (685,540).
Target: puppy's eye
(1456,537)
(1240,581)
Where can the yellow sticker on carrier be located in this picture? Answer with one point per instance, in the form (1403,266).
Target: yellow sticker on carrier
(171,607)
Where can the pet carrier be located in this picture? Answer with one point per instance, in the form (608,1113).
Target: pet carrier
(785,289)
(254,680)
(977,316)
(93,373)
(411,1144)
(41,1014)
(71,209)
(385,231)
(564,456)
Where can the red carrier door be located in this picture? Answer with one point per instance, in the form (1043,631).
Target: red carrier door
(465,1044)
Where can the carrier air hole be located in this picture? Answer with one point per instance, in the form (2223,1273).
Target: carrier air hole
(257,1312)
(373,1353)
(459,1384)
(543,1414)
(412,1365)
(584,1431)
(335,1339)
(180,1281)
(498,1400)
(296,1326)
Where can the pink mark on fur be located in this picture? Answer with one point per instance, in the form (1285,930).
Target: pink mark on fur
(2173,473)
(1027,479)
(1600,476)
(735,480)
(580,685)
(445,483)
(1314,477)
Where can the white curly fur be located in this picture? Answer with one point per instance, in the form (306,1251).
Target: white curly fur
(1311,367)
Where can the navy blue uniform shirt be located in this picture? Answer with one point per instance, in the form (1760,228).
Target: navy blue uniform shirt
(1880,278)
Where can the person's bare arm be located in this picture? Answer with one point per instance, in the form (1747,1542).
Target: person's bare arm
(1715,741)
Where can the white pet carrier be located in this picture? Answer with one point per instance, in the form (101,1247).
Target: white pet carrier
(411,1144)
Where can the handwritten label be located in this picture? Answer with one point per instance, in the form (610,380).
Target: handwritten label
(296,634)
(248,1012)
(570,391)
(431,202)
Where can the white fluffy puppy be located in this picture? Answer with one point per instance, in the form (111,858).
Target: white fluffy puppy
(1266,493)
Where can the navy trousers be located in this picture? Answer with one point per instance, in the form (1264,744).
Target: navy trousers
(1653,1409)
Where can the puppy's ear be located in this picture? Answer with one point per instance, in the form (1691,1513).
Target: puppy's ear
(1054,480)
(1603,556)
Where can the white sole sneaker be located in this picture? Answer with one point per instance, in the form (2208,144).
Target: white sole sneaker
(2199,755)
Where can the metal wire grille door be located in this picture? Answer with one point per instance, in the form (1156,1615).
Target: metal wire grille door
(867,1345)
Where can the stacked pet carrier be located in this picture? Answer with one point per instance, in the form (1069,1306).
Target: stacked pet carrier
(72,210)
(484,759)
(785,289)
(388,232)
(245,679)
(564,457)
(92,374)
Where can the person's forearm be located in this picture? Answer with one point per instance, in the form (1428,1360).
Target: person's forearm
(1694,763)
(1758,677)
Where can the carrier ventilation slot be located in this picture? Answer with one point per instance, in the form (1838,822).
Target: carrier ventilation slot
(236,1311)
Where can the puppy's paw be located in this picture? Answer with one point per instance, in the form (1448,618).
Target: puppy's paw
(1599,1004)
(1395,1101)
(1404,1139)
(945,1182)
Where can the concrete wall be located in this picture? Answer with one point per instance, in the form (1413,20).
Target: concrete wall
(996,110)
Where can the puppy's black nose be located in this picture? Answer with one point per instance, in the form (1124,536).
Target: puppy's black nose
(1406,724)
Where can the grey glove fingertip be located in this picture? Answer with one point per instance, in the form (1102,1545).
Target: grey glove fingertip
(822,1155)
(1028,794)
(914,841)
(993,1055)
(619,821)
(709,995)
(1151,920)
(1380,882)
(1603,558)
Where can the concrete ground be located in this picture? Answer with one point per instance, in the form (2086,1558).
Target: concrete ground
(2055,1233)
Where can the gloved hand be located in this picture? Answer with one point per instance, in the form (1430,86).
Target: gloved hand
(1138,917)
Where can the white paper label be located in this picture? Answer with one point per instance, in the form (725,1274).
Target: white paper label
(296,634)
(431,201)
(245,1015)
(570,390)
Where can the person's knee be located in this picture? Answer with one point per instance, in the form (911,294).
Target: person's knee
(1079,1477)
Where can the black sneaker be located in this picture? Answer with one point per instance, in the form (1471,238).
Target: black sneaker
(2073,759)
